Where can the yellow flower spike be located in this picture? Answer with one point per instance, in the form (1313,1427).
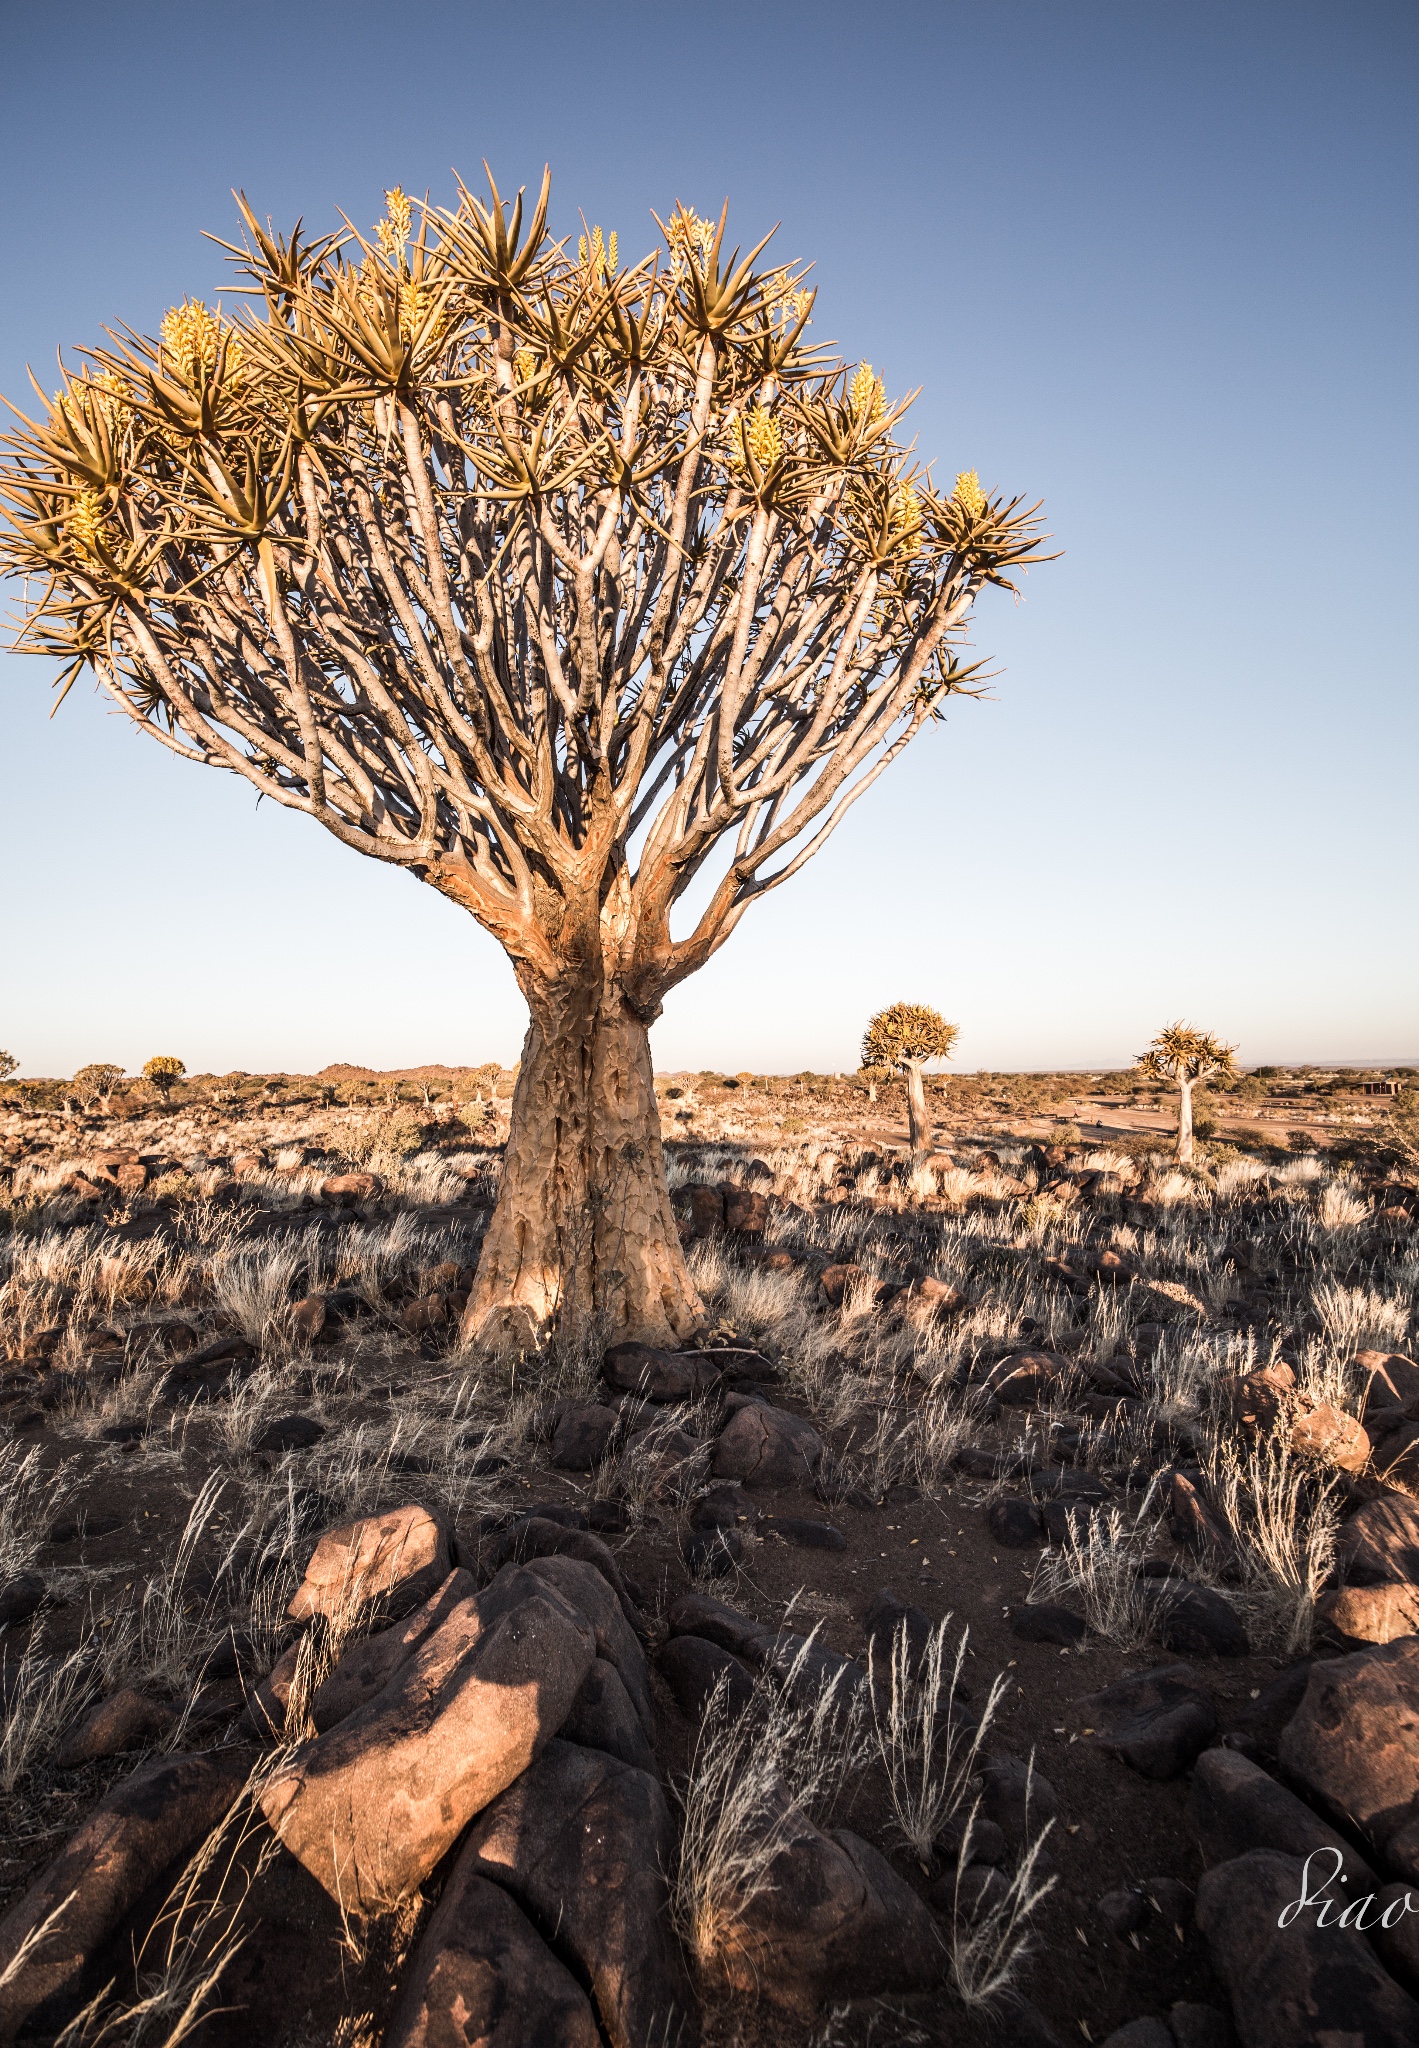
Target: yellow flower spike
(86,520)
(969,495)
(524,365)
(392,233)
(864,393)
(906,510)
(763,439)
(690,239)
(192,336)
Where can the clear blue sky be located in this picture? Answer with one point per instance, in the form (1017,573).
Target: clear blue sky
(1155,264)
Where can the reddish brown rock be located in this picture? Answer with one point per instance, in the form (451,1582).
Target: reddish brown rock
(1353,1744)
(401,1555)
(481,1974)
(347,1189)
(1390,1379)
(308,1318)
(1380,1542)
(839,1281)
(426,1312)
(1331,1437)
(746,1211)
(834,1922)
(1028,1377)
(584,1843)
(144,1828)
(1372,1614)
(368,1665)
(127,1719)
(706,1211)
(371,1807)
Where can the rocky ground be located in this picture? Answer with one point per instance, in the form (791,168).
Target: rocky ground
(968,1642)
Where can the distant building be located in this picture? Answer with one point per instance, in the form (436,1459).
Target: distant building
(1379,1087)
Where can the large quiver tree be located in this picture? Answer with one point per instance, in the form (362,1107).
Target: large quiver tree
(1184,1058)
(561,584)
(905,1036)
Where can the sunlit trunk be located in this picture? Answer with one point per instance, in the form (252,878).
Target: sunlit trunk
(918,1122)
(583,1240)
(1184,1153)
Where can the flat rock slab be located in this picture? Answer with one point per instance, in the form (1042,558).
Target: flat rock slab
(482,1974)
(1353,1743)
(583,1844)
(1301,1985)
(403,1554)
(144,1827)
(371,1806)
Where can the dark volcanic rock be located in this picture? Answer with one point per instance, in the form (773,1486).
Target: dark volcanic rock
(1015,1523)
(1353,1744)
(1297,1985)
(692,1666)
(763,1446)
(1235,1807)
(1043,1622)
(1194,1621)
(1155,1721)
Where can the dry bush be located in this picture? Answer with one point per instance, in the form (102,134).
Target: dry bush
(1361,1318)
(927,1743)
(1099,1568)
(1282,1515)
(988,1954)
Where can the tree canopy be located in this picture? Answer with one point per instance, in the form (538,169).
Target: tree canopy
(905,1033)
(1181,1054)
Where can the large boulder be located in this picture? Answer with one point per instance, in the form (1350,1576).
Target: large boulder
(371,1806)
(581,1435)
(832,1920)
(693,1667)
(1353,1743)
(584,1843)
(603,1717)
(369,1664)
(399,1557)
(1155,1721)
(1235,1807)
(584,1588)
(137,1834)
(1331,1437)
(764,1446)
(481,1973)
(539,1537)
(1292,1983)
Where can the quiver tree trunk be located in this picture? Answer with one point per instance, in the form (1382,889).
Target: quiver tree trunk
(1184,1151)
(583,1243)
(918,1121)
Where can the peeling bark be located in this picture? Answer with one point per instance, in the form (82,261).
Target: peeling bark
(583,1239)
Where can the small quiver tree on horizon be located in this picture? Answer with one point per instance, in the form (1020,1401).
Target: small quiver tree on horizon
(1185,1059)
(162,1073)
(545,577)
(96,1082)
(902,1038)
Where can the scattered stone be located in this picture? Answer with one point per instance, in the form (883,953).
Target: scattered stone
(1354,1743)
(1380,1542)
(712,1553)
(20,1597)
(1192,1519)
(1154,1721)
(308,1318)
(348,1189)
(985,1840)
(1068,1521)
(482,1974)
(1028,1378)
(1295,1984)
(837,1281)
(1015,1523)
(1122,1912)
(706,1211)
(370,1807)
(1017,1797)
(1235,1807)
(289,1433)
(659,1375)
(127,1719)
(608,1517)
(763,1446)
(1390,1379)
(1200,2026)
(809,1535)
(1144,2033)
(966,1893)
(148,1823)
(692,1666)
(746,1211)
(581,1435)
(886,1618)
(1331,1437)
(1371,1614)
(1194,1621)
(583,1843)
(1043,1622)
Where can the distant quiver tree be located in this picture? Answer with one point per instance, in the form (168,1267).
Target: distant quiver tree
(546,577)
(96,1083)
(904,1037)
(1185,1058)
(163,1072)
